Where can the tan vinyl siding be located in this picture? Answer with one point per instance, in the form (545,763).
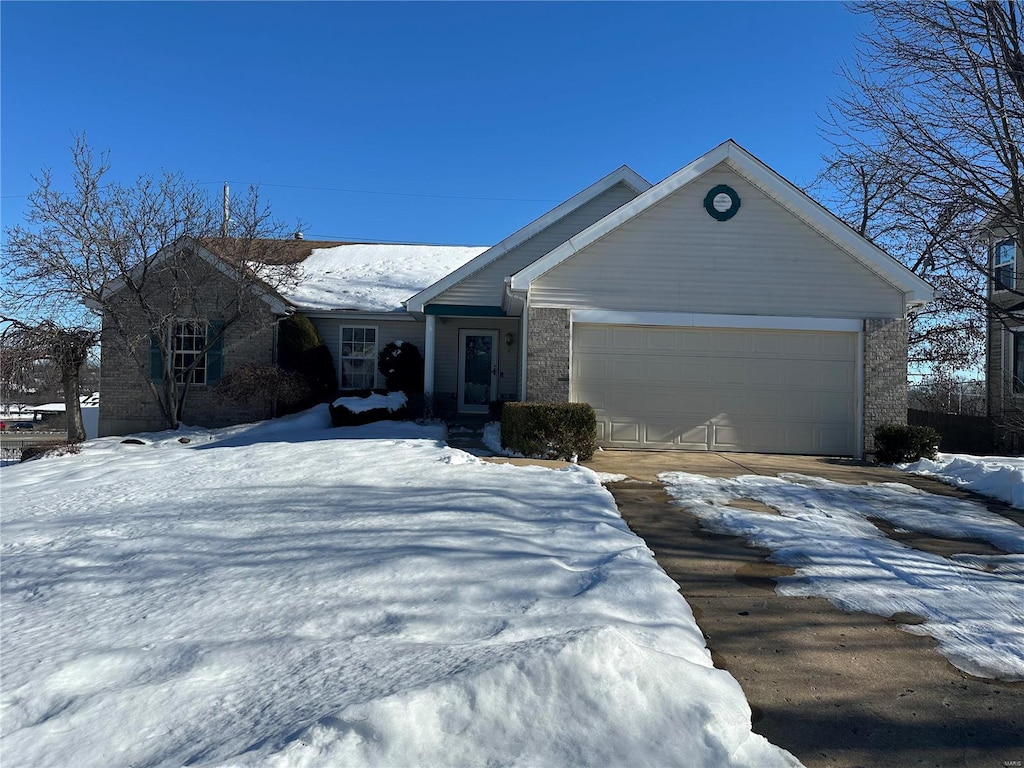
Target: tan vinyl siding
(675,257)
(387,332)
(446,359)
(486,286)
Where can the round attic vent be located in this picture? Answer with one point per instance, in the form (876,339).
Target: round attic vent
(722,202)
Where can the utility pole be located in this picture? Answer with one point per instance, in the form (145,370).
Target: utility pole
(227,213)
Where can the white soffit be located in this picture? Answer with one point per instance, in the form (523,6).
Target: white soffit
(768,181)
(623,174)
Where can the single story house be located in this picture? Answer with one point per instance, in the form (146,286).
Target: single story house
(721,309)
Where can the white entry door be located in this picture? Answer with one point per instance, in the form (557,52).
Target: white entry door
(478,370)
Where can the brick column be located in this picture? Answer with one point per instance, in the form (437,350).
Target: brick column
(547,355)
(885,375)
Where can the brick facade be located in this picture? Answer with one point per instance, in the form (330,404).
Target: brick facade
(127,402)
(885,375)
(547,356)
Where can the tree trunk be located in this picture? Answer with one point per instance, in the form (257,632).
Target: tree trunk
(73,403)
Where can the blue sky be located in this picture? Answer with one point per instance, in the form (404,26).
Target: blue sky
(446,103)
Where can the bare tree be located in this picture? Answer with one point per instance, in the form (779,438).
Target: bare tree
(67,348)
(927,141)
(136,255)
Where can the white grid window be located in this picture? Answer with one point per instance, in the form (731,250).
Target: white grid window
(187,346)
(358,358)
(1004,265)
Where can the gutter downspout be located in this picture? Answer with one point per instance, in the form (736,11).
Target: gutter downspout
(429,343)
(524,336)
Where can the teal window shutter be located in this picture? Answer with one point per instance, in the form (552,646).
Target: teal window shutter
(214,354)
(156,359)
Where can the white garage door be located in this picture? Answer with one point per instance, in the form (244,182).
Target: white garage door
(718,389)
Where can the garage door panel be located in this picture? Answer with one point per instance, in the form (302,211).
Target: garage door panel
(718,389)
(695,340)
(834,407)
(694,371)
(764,405)
(838,345)
(766,344)
(836,375)
(627,369)
(730,341)
(835,439)
(625,432)
(628,339)
(662,370)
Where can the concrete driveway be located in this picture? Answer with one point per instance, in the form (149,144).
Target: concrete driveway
(835,688)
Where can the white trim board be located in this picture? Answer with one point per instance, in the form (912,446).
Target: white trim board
(698,320)
(623,174)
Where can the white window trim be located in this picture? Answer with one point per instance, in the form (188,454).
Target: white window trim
(998,287)
(173,347)
(1006,359)
(341,356)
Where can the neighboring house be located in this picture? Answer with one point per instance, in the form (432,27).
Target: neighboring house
(1004,351)
(721,309)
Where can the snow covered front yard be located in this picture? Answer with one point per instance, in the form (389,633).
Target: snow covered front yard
(1001,477)
(286,594)
(972,604)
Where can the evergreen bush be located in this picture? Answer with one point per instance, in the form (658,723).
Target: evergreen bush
(903,443)
(300,349)
(552,430)
(402,366)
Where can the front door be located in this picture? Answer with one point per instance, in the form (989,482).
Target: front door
(478,370)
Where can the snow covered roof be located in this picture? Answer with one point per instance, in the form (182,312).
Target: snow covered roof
(373,277)
(87,401)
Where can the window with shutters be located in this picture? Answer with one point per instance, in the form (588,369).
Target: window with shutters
(188,343)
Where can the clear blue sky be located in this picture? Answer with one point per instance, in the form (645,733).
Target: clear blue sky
(532,101)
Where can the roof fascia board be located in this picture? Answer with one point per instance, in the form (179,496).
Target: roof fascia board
(623,174)
(350,314)
(771,184)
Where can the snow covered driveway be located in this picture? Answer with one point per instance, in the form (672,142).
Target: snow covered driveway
(274,595)
(973,605)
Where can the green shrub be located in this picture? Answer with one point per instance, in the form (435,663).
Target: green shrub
(402,366)
(301,350)
(903,443)
(551,430)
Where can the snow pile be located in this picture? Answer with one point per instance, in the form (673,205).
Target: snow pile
(1000,477)
(373,277)
(973,603)
(492,439)
(390,402)
(289,594)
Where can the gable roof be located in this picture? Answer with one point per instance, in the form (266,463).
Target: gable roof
(333,275)
(222,262)
(624,175)
(372,277)
(768,181)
